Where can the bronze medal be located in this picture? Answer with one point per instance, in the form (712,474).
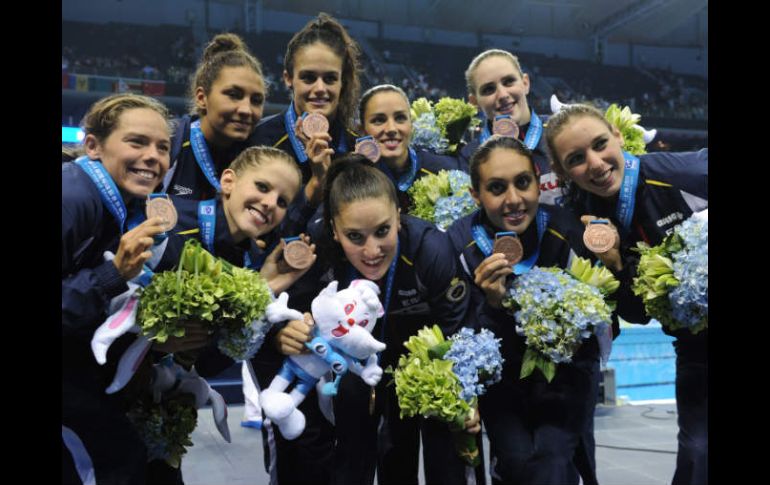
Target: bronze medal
(162,207)
(297,254)
(505,126)
(511,247)
(314,123)
(372,397)
(368,148)
(599,238)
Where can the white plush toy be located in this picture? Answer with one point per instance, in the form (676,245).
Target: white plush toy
(341,341)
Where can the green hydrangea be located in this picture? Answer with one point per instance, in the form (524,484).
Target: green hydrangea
(165,427)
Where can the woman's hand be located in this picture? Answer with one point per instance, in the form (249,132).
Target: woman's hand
(611,258)
(490,276)
(134,248)
(290,340)
(279,275)
(473,423)
(195,337)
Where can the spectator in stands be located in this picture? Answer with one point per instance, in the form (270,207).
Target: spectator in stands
(586,153)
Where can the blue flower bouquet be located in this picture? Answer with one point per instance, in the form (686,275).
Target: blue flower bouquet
(443,378)
(672,277)
(442,198)
(439,128)
(556,310)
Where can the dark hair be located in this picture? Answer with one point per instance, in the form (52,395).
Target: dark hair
(482,153)
(350,178)
(382,88)
(103,116)
(326,30)
(574,196)
(224,50)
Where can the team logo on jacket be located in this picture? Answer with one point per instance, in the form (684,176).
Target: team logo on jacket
(456,290)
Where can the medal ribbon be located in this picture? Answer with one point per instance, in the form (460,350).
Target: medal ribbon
(534,132)
(486,246)
(203,155)
(627,195)
(109,193)
(207,223)
(407,179)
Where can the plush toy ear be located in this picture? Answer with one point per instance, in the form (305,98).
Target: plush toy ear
(330,290)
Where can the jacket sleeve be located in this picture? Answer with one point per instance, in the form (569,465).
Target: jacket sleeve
(85,292)
(446,288)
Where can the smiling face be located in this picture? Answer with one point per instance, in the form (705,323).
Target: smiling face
(233,106)
(136,152)
(255,201)
(387,118)
(316,80)
(501,89)
(590,154)
(508,190)
(367,230)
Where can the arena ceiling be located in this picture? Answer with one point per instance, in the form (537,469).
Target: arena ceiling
(681,23)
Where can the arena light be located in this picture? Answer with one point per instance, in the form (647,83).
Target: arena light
(71,134)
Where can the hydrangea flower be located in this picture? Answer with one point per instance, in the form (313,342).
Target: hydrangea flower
(443,378)
(672,277)
(554,312)
(442,198)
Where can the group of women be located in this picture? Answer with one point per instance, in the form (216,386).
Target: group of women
(259,181)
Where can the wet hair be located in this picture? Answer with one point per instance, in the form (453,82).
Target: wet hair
(254,157)
(483,152)
(103,116)
(328,31)
(574,195)
(224,50)
(469,73)
(382,88)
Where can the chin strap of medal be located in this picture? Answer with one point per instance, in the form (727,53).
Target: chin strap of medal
(122,317)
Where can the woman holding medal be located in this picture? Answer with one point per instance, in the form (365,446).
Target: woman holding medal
(386,117)
(228,96)
(498,86)
(363,235)
(127,143)
(534,427)
(321,69)
(643,199)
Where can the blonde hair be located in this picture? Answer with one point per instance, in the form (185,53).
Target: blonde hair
(469,81)
(254,157)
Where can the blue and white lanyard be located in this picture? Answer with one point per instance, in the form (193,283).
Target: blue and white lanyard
(290,121)
(207,222)
(627,196)
(202,154)
(109,193)
(534,132)
(406,179)
(486,246)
